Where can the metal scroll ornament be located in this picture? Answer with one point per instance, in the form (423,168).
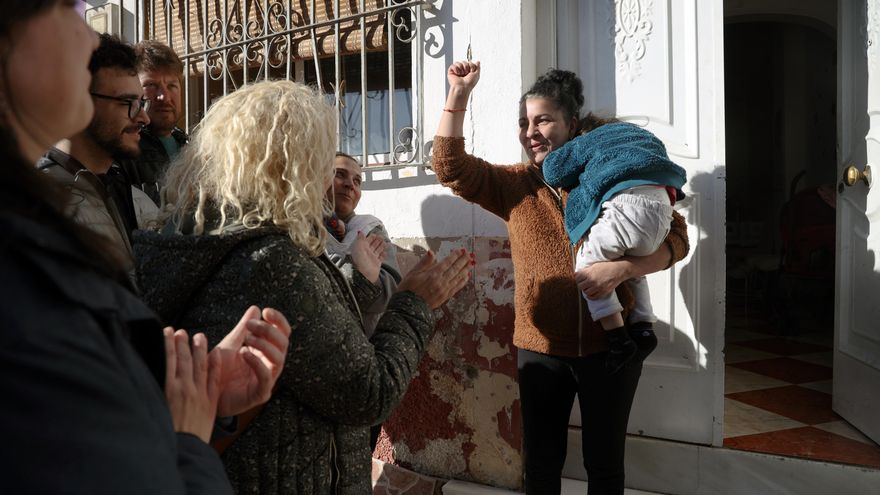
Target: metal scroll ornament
(402,20)
(405,151)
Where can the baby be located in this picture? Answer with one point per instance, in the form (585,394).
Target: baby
(622,187)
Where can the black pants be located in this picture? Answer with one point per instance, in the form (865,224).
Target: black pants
(547,387)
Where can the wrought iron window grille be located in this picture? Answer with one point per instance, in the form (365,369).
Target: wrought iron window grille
(228,43)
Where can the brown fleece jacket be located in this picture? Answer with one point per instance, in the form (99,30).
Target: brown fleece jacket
(547,303)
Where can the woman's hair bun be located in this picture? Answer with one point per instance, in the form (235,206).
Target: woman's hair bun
(569,83)
(562,86)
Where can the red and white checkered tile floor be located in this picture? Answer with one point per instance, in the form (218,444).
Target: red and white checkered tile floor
(777,396)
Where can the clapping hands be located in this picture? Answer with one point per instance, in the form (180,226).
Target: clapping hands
(237,375)
(436,282)
(367,255)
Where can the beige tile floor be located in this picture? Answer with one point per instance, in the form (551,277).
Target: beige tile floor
(743,419)
(750,427)
(823,386)
(737,380)
(844,429)
(823,358)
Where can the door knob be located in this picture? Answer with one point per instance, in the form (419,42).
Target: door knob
(852,175)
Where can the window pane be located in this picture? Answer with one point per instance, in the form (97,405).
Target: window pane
(378,123)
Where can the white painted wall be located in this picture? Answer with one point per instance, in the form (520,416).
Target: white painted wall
(501,34)
(127,26)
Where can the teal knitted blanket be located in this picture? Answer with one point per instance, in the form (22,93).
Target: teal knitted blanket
(597,165)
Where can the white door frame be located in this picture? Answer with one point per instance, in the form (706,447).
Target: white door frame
(856,381)
(681,394)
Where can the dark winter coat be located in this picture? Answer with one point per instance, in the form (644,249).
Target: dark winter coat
(335,384)
(90,201)
(147,171)
(81,360)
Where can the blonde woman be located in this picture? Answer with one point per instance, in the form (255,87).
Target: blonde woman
(247,227)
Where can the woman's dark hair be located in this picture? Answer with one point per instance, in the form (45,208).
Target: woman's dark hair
(24,191)
(18,11)
(565,88)
(15,13)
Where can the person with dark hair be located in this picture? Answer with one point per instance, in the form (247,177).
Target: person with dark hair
(561,350)
(100,196)
(161,76)
(83,362)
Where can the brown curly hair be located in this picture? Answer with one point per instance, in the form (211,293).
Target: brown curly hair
(155,56)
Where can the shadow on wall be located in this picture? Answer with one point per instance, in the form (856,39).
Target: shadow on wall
(397,178)
(702,236)
(447,223)
(438,23)
(447,216)
(677,342)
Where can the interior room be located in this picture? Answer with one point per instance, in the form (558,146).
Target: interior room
(781,94)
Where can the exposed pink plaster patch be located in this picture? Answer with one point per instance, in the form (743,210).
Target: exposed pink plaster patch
(422,416)
(498,249)
(460,416)
(384,450)
(499,328)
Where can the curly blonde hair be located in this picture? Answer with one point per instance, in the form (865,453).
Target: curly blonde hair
(261,155)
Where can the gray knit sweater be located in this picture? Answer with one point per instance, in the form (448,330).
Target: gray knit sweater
(313,433)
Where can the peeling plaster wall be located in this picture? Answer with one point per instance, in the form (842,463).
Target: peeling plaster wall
(460,418)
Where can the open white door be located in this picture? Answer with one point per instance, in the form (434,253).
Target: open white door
(661,64)
(856,392)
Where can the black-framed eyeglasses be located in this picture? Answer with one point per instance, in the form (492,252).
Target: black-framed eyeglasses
(135,105)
